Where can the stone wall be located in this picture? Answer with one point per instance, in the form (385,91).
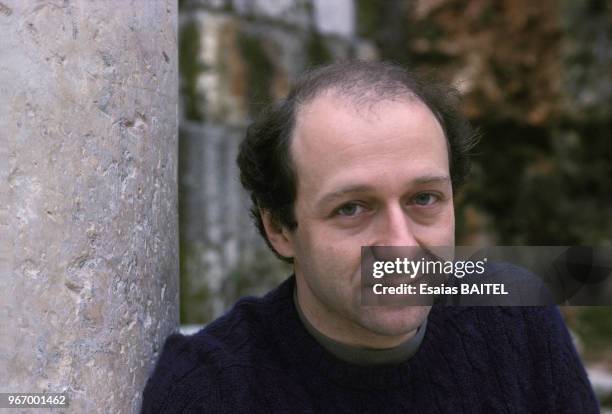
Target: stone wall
(88,190)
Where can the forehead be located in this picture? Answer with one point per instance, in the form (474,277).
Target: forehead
(335,133)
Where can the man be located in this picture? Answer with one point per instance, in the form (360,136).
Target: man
(363,154)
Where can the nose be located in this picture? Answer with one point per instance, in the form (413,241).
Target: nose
(393,237)
(393,229)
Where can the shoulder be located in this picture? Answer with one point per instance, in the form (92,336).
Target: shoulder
(528,349)
(556,367)
(181,367)
(212,366)
(541,325)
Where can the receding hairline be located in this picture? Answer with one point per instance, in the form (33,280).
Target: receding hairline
(356,95)
(358,103)
(359,83)
(356,78)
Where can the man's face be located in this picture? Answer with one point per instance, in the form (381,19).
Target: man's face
(377,175)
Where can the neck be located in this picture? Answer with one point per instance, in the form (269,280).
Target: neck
(340,328)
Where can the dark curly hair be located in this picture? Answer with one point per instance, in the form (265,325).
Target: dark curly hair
(264,160)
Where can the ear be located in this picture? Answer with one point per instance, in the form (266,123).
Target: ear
(277,234)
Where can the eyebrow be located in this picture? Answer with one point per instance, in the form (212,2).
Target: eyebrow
(362,188)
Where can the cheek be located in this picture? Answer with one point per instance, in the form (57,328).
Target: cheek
(339,246)
(326,254)
(322,248)
(444,231)
(440,232)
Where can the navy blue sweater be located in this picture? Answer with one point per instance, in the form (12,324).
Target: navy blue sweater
(258,358)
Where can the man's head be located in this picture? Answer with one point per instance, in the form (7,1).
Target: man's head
(359,154)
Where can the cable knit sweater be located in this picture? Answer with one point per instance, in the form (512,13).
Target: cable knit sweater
(258,358)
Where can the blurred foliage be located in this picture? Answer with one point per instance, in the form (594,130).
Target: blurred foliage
(593,327)
(317,51)
(260,70)
(386,24)
(190,68)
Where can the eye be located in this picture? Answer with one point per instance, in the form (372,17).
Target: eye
(425,199)
(349,210)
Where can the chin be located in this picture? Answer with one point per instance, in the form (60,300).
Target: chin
(394,320)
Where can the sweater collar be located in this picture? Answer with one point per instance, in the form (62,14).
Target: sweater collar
(360,355)
(302,352)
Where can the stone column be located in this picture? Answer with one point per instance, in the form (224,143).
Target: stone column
(88,197)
